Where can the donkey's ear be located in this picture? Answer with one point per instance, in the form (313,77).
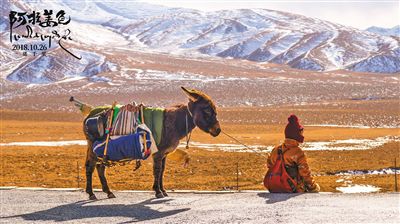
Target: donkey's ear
(193,96)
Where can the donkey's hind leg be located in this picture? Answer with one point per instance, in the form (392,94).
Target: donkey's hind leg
(90,165)
(101,172)
(164,161)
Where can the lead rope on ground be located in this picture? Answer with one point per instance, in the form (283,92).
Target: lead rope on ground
(244,144)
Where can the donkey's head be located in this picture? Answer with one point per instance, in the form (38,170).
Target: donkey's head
(203,111)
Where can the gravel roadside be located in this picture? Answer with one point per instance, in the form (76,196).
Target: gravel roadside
(49,206)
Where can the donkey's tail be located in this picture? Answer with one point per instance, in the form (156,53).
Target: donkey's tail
(83,107)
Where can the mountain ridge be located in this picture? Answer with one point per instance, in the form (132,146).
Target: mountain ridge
(259,35)
(394,31)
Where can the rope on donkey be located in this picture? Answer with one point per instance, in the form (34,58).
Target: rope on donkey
(247,147)
(188,134)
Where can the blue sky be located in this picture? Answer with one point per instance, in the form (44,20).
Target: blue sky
(360,13)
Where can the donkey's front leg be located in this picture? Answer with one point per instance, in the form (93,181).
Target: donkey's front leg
(101,172)
(164,161)
(157,173)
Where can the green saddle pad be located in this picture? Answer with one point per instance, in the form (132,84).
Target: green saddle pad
(154,118)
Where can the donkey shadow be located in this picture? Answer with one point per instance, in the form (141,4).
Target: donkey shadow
(85,209)
(273,198)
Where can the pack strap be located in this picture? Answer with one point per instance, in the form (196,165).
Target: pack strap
(283,167)
(144,136)
(108,131)
(146,150)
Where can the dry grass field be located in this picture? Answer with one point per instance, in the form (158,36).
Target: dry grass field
(209,170)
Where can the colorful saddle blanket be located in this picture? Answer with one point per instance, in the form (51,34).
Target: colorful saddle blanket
(126,134)
(127,146)
(125,119)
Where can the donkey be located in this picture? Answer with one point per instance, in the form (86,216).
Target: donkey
(179,120)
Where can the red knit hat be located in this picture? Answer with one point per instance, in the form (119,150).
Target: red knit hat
(293,129)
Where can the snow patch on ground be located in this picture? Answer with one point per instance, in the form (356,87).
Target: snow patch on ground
(180,76)
(388,171)
(356,188)
(46,143)
(349,144)
(228,147)
(347,126)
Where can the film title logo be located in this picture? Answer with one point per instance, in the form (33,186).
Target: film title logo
(35,32)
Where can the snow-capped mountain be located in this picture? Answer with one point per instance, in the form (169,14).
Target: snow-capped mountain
(394,31)
(49,68)
(268,36)
(258,35)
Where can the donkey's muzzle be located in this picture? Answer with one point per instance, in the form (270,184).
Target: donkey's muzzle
(215,130)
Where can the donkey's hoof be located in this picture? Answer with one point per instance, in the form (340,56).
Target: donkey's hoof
(159,195)
(111,195)
(165,194)
(92,197)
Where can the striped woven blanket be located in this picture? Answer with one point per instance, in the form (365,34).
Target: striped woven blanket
(125,120)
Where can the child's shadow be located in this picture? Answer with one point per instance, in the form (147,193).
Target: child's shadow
(277,197)
(85,209)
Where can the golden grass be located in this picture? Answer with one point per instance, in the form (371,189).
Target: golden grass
(57,167)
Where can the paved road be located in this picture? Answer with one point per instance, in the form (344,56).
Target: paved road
(29,206)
